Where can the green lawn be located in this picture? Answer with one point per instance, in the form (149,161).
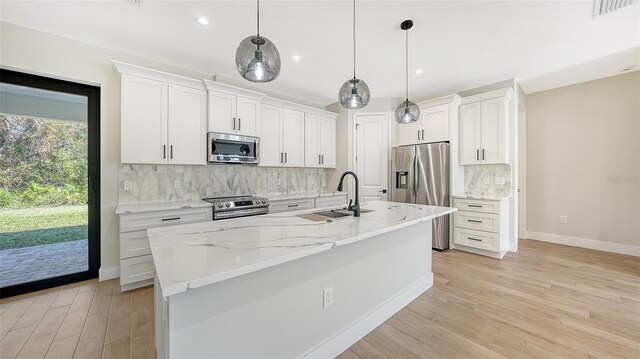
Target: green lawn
(42,225)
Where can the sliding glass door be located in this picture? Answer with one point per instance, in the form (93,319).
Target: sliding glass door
(49,182)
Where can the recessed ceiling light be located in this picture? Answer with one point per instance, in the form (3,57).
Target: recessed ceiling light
(419,71)
(627,68)
(296,57)
(203,21)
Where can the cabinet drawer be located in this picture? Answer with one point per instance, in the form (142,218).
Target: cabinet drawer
(476,205)
(134,244)
(291,205)
(136,269)
(141,221)
(332,201)
(477,220)
(477,239)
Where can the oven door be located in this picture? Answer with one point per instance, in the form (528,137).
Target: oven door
(225,148)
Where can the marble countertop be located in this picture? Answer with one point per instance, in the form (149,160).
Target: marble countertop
(195,255)
(488,197)
(164,206)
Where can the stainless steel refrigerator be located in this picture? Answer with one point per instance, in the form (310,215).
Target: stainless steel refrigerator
(420,174)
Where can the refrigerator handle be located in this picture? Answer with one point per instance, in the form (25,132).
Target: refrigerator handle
(415,176)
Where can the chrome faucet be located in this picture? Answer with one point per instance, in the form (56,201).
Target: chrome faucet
(356,206)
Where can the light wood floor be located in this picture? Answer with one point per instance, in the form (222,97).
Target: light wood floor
(546,301)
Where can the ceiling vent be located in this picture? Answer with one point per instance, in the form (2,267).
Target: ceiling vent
(603,7)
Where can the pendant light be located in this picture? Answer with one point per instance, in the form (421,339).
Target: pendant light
(257,58)
(407,111)
(354,93)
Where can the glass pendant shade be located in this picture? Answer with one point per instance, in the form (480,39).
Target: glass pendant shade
(354,94)
(407,112)
(258,59)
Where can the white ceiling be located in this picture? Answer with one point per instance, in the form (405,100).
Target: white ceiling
(460,45)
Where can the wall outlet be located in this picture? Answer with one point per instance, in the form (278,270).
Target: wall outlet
(128,185)
(499,181)
(485,180)
(278,181)
(563,219)
(327,297)
(177,184)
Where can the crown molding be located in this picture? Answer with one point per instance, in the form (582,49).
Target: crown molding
(233,90)
(296,106)
(135,70)
(505,92)
(454,99)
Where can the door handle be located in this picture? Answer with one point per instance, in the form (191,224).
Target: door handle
(319,160)
(383,191)
(164,152)
(239,124)
(285,158)
(477,155)
(322,158)
(422,134)
(171,150)
(418,135)
(234,123)
(483,154)
(281,157)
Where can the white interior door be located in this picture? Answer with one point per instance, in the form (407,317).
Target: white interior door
(372,155)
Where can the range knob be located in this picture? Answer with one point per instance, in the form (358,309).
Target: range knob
(256,202)
(228,205)
(264,201)
(219,205)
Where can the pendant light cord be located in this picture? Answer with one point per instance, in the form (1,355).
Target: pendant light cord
(406,68)
(258,14)
(354,39)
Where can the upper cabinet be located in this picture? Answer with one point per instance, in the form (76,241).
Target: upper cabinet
(484,125)
(281,137)
(434,125)
(233,110)
(320,141)
(163,117)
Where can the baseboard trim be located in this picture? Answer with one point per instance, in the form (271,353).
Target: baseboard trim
(349,336)
(106,273)
(585,243)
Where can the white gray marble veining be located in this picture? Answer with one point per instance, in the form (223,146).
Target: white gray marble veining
(155,183)
(474,180)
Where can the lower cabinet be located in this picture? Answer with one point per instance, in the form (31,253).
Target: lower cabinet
(331,201)
(481,226)
(136,262)
(297,204)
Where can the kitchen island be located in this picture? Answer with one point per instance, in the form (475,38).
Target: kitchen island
(289,284)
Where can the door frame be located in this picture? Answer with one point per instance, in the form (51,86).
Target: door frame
(93,173)
(522,172)
(354,141)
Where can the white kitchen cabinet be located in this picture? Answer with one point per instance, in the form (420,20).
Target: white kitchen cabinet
(233,110)
(281,137)
(163,117)
(484,126)
(233,114)
(433,126)
(481,226)
(136,262)
(288,205)
(320,141)
(332,201)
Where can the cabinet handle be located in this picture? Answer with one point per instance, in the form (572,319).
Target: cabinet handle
(281,157)
(292,205)
(477,155)
(423,134)
(473,220)
(475,205)
(170,219)
(483,154)
(239,123)
(285,158)
(164,151)
(322,159)
(171,151)
(474,239)
(319,160)
(234,123)
(418,135)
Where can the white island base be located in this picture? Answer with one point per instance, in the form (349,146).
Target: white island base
(277,312)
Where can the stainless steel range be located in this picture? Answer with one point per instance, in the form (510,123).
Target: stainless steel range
(238,206)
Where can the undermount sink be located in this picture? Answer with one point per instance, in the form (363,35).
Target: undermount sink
(332,214)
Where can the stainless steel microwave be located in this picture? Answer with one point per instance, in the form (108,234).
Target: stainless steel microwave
(225,148)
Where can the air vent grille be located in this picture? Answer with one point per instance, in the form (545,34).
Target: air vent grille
(603,7)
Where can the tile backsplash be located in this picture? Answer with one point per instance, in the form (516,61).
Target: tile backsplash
(474,180)
(155,183)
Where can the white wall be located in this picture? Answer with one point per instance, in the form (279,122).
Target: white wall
(583,161)
(40,53)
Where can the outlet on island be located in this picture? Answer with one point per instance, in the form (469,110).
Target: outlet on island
(327,297)
(563,219)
